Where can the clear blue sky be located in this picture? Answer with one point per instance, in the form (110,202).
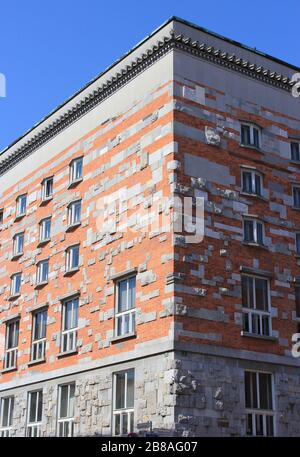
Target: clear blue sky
(49,50)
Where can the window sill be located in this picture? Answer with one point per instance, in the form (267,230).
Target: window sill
(43,242)
(40,285)
(7,370)
(248,194)
(71,272)
(19,217)
(45,201)
(17,256)
(259,337)
(295,208)
(14,297)
(255,245)
(74,183)
(250,146)
(119,338)
(295,162)
(65,354)
(72,227)
(36,362)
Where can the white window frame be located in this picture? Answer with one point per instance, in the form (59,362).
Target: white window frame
(33,429)
(16,244)
(256,312)
(252,128)
(255,231)
(73,170)
(298,150)
(296,188)
(21,198)
(45,182)
(122,315)
(72,212)
(13,289)
(43,223)
(254,174)
(38,345)
(5,430)
(65,423)
(42,267)
(69,335)
(11,353)
(261,412)
(126,411)
(70,258)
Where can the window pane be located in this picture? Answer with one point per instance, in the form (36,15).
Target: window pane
(247,291)
(255,137)
(296,193)
(270,426)
(265,391)
(248,231)
(261,294)
(130,389)
(120,390)
(63,401)
(117,424)
(122,294)
(33,407)
(257,184)
(245,134)
(40,406)
(295,151)
(72,400)
(247,182)
(131,293)
(298,243)
(259,228)
(297,295)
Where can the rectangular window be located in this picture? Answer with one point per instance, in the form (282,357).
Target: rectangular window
(34,413)
(76,170)
(66,410)
(253,231)
(125,306)
(259,404)
(298,243)
(38,347)
(250,135)
(69,325)
(18,244)
(251,182)
(297,297)
(1,216)
(72,258)
(11,344)
(296,197)
(47,188)
(74,213)
(42,272)
(6,416)
(15,288)
(45,229)
(123,410)
(21,205)
(295,151)
(256,305)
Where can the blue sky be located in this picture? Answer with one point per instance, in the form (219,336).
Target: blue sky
(49,50)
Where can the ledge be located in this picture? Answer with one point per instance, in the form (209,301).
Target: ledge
(17,256)
(259,337)
(255,245)
(74,183)
(45,201)
(19,217)
(43,243)
(255,271)
(36,362)
(295,162)
(68,295)
(14,297)
(249,146)
(7,370)
(119,338)
(247,194)
(40,285)
(11,318)
(124,273)
(71,272)
(65,354)
(72,227)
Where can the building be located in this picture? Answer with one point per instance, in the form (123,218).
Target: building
(108,326)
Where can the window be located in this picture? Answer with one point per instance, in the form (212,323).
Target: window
(253,231)
(38,347)
(295,151)
(123,411)
(34,413)
(6,416)
(125,307)
(259,404)
(297,296)
(296,196)
(42,272)
(250,135)
(45,229)
(21,205)
(66,404)
(256,306)
(69,325)
(76,170)
(1,216)
(298,243)
(15,288)
(251,182)
(11,344)
(18,244)
(74,213)
(47,188)
(72,260)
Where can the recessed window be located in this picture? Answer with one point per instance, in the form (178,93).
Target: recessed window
(38,347)
(42,272)
(125,306)
(74,213)
(6,416)
(123,411)
(15,287)
(69,325)
(250,135)
(297,300)
(256,305)
(259,404)
(253,231)
(76,170)
(297,243)
(295,151)
(296,196)
(45,229)
(72,258)
(47,188)
(21,205)
(251,182)
(66,410)
(1,216)
(34,413)
(11,344)
(18,244)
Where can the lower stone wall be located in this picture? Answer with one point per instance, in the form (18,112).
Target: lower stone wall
(181,394)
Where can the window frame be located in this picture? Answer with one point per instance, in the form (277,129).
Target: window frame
(252,126)
(72,170)
(296,188)
(42,224)
(40,270)
(69,257)
(131,311)
(292,143)
(254,173)
(5,431)
(10,361)
(71,212)
(16,237)
(33,429)
(67,421)
(45,197)
(70,335)
(255,222)
(1,216)
(39,343)
(128,411)
(18,200)
(13,292)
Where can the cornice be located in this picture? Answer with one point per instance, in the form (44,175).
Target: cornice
(161,48)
